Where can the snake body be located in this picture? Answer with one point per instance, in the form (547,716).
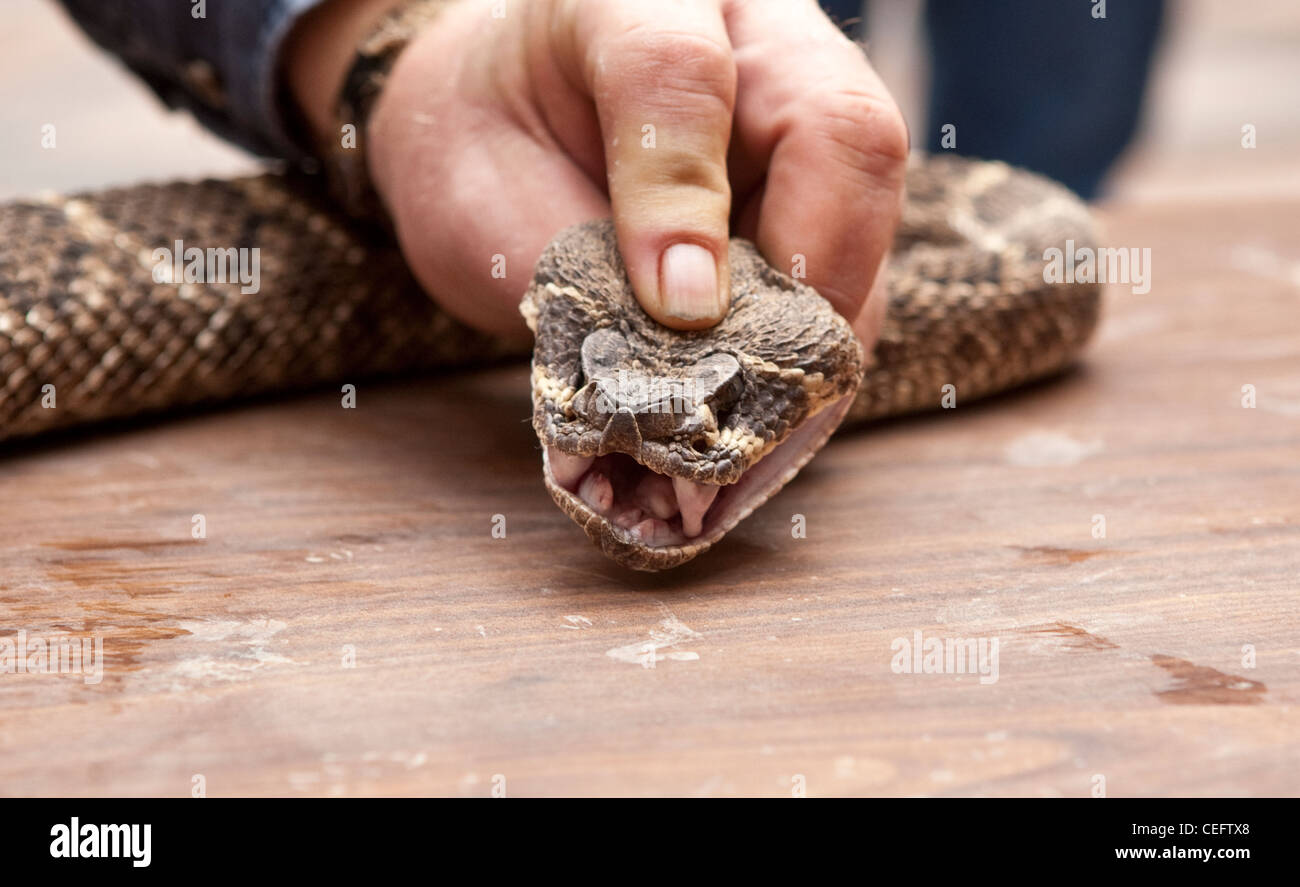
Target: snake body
(91,329)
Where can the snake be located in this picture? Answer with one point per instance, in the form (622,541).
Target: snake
(656,442)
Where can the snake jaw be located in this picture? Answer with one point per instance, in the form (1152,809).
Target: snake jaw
(669,532)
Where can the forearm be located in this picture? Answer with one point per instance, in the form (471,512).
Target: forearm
(224,61)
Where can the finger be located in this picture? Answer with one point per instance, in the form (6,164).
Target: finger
(871,319)
(663,82)
(832,141)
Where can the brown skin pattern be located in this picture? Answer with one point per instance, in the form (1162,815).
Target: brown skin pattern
(83,318)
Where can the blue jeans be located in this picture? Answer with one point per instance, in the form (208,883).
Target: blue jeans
(1038,83)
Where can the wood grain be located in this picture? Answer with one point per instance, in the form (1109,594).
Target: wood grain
(526,657)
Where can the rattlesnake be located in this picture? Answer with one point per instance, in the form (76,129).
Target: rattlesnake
(641,426)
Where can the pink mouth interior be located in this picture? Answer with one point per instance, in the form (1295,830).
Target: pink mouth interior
(659,511)
(653,508)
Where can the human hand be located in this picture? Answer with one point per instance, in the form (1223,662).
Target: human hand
(684,120)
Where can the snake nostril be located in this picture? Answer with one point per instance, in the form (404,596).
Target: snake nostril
(621,434)
(591,405)
(700,445)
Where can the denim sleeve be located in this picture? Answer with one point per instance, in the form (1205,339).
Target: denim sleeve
(217,58)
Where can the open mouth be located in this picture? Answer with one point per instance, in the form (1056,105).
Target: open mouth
(644,507)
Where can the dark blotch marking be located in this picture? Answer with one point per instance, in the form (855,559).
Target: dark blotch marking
(1046,554)
(1200,685)
(1076,638)
(102,574)
(111,544)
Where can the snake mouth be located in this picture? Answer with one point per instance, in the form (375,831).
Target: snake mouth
(641,507)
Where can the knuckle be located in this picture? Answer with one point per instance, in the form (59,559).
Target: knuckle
(674,65)
(867,130)
(705,183)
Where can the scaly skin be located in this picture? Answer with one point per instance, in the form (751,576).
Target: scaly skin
(80,310)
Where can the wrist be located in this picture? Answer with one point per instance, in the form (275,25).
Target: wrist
(318,54)
(420,90)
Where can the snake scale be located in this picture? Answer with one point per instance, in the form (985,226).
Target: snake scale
(656,442)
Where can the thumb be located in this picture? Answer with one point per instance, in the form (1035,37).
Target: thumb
(663,81)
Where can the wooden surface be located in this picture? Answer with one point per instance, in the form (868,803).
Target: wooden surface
(526,657)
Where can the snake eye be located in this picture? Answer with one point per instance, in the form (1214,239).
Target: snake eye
(717,381)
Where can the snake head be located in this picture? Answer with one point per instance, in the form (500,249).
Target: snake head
(631,403)
(657,441)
